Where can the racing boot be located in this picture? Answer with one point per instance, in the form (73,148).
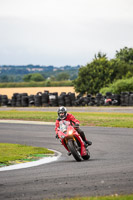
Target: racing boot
(88,142)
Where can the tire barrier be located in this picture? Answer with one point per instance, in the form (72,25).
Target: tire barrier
(53,99)
(45,99)
(131,100)
(14,99)
(25,101)
(38,99)
(31,100)
(4,100)
(20,100)
(100,100)
(0,99)
(125,98)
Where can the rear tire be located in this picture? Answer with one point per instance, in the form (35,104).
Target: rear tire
(73,149)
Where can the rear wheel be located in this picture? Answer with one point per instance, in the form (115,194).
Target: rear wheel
(74,150)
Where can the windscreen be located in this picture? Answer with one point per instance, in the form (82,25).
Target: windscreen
(63,125)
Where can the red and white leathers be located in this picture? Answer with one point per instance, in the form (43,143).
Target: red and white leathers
(69,118)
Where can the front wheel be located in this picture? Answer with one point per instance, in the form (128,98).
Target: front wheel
(87,156)
(74,150)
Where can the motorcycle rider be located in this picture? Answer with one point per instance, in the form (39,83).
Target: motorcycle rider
(63,115)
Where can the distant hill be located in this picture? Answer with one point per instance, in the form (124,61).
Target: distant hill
(15,73)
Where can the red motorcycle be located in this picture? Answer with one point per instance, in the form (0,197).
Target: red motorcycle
(72,141)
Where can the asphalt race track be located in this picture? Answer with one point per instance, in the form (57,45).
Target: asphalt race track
(109,171)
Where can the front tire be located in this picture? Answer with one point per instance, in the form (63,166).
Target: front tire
(87,157)
(73,149)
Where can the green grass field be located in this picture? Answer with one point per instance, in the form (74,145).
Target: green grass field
(123,120)
(13,152)
(113,197)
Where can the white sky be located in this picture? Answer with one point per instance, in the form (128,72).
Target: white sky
(63,32)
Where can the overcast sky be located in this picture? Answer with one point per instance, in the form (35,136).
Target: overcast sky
(63,32)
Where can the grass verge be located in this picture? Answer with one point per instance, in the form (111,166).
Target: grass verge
(17,153)
(113,197)
(123,120)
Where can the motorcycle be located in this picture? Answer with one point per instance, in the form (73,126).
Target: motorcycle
(72,141)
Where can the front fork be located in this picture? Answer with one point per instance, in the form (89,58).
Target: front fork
(65,141)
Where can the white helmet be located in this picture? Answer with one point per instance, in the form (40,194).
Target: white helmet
(63,110)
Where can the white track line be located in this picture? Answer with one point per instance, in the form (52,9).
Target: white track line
(42,161)
(26,122)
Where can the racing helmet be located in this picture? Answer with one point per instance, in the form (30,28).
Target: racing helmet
(62,112)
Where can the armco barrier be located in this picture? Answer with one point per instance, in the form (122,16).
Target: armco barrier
(45,99)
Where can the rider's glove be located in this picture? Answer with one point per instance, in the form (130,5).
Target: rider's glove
(57,137)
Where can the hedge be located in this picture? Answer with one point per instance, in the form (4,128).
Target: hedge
(124,85)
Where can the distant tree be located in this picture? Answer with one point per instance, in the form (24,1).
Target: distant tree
(62,76)
(121,69)
(123,63)
(100,55)
(73,76)
(94,76)
(10,78)
(4,78)
(125,54)
(37,77)
(101,72)
(52,78)
(27,77)
(33,77)
(17,78)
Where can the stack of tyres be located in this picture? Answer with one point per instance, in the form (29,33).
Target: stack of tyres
(25,100)
(131,99)
(72,98)
(61,99)
(4,100)
(14,100)
(67,100)
(31,100)
(22,100)
(53,99)
(115,99)
(86,101)
(92,101)
(18,100)
(45,99)
(38,99)
(79,101)
(109,95)
(99,99)
(125,98)
(0,99)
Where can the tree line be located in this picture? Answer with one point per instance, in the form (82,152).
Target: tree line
(27,73)
(102,72)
